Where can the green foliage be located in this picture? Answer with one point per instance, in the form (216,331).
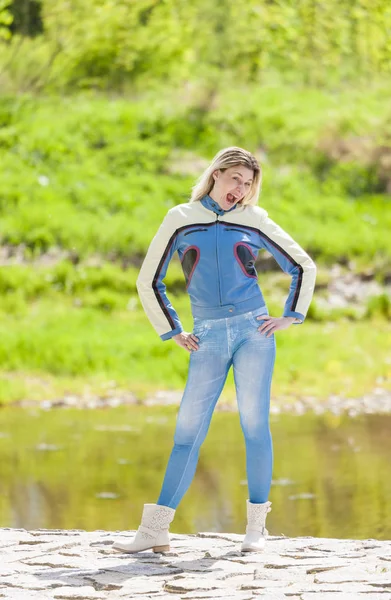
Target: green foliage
(5,19)
(27,18)
(322,315)
(124,38)
(379,306)
(114,44)
(68,279)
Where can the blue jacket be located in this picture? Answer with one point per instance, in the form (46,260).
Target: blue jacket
(218,250)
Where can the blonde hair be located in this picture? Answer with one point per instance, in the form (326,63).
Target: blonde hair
(229,157)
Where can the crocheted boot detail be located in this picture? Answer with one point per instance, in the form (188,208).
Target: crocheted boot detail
(152,532)
(156,516)
(256,532)
(256,516)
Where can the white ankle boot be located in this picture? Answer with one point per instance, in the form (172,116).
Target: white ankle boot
(256,532)
(153,531)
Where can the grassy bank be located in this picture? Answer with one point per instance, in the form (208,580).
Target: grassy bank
(86,181)
(54,348)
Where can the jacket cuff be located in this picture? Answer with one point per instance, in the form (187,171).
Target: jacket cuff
(297,315)
(170,334)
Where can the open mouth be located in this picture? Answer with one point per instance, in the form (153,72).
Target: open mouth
(231,199)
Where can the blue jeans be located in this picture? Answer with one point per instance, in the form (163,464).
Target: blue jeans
(222,343)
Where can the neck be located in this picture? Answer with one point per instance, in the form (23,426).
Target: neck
(212,194)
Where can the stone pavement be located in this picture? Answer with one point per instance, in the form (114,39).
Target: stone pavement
(80,565)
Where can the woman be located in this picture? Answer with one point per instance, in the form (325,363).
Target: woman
(218,235)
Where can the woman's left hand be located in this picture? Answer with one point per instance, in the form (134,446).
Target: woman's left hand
(272,324)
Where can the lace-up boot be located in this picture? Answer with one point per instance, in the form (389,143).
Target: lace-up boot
(153,531)
(256,532)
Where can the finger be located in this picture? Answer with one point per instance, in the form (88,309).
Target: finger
(191,344)
(267,328)
(264,318)
(268,332)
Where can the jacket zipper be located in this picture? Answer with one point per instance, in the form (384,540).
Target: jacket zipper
(194,230)
(217,257)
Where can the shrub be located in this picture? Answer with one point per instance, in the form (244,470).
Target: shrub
(379,306)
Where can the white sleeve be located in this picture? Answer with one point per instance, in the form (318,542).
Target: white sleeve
(150,284)
(293,260)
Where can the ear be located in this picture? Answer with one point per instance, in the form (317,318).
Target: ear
(216,174)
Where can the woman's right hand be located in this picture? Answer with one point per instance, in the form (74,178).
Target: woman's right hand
(185,340)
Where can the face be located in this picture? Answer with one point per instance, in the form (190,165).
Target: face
(231,185)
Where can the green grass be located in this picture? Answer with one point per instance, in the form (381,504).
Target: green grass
(100,178)
(53,347)
(85,182)
(76,329)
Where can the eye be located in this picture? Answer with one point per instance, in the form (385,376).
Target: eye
(248,184)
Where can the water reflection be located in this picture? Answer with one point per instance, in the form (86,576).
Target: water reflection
(94,470)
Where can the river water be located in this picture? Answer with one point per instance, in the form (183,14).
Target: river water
(94,469)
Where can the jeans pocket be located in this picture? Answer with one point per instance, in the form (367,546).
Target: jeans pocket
(200,330)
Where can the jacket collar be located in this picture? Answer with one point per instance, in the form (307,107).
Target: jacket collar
(210,204)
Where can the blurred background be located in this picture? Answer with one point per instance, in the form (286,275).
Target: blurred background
(109,111)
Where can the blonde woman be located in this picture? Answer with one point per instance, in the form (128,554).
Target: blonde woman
(218,235)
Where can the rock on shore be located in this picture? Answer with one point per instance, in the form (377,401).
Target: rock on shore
(80,565)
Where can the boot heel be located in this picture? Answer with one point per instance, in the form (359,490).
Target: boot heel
(161,548)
